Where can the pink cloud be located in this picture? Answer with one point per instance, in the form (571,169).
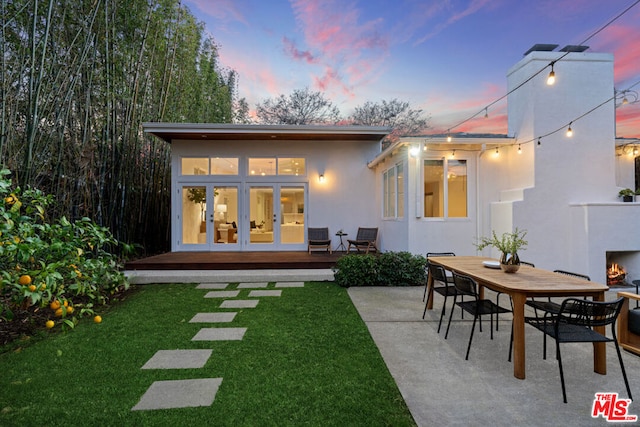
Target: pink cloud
(291,50)
(628,121)
(338,39)
(624,42)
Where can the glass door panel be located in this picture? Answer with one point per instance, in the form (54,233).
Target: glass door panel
(261,215)
(292,215)
(225,218)
(194,209)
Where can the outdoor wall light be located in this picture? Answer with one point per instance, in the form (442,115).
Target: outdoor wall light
(321,177)
(413,151)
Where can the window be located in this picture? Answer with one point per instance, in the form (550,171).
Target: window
(445,188)
(207,166)
(393,183)
(268,166)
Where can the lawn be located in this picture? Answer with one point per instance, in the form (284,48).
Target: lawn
(306,358)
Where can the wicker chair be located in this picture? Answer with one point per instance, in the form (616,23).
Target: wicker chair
(318,238)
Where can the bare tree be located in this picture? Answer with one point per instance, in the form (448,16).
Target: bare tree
(404,120)
(302,107)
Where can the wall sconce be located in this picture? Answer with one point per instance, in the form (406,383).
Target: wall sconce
(413,151)
(321,177)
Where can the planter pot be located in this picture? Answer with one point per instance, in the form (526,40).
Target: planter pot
(509,263)
(627,198)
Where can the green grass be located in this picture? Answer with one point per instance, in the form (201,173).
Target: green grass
(306,359)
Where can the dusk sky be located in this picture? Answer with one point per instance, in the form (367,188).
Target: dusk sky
(446,57)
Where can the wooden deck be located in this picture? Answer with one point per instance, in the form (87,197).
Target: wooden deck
(236,261)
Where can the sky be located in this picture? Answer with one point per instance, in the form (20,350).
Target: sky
(447,57)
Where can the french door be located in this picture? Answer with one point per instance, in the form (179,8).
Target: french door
(208,216)
(275,217)
(236,217)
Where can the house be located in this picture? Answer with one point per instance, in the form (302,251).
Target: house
(244,187)
(258,188)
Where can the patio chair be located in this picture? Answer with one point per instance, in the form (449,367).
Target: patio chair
(449,277)
(318,238)
(442,285)
(365,240)
(550,308)
(477,307)
(574,323)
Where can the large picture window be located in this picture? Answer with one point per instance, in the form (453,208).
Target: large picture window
(393,183)
(445,188)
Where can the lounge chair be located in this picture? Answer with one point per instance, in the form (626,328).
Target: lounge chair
(318,238)
(365,240)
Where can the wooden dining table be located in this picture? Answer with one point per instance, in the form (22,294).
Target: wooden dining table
(527,282)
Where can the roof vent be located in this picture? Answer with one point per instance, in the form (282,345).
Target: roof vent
(574,48)
(541,48)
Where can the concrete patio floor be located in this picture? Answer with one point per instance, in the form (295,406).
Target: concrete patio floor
(442,389)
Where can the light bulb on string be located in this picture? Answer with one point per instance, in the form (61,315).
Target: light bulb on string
(453,154)
(486,112)
(551,79)
(539,140)
(635,151)
(519,149)
(448,135)
(497,153)
(569,131)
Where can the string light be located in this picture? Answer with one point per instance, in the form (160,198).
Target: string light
(453,154)
(539,140)
(569,131)
(519,149)
(635,151)
(486,112)
(497,153)
(551,78)
(448,135)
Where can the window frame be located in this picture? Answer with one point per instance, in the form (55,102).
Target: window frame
(445,199)
(394,192)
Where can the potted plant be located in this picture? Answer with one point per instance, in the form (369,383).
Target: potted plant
(626,194)
(508,244)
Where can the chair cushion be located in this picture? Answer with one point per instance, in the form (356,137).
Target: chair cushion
(634,321)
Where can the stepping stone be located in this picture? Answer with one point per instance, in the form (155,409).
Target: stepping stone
(290,285)
(179,394)
(265,293)
(178,359)
(253,285)
(219,334)
(239,303)
(212,286)
(222,294)
(213,317)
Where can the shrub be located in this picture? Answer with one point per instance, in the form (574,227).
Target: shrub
(386,269)
(356,270)
(62,264)
(401,269)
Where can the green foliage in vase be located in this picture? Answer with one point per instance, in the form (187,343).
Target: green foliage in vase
(507,243)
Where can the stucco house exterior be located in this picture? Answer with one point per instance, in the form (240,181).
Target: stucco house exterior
(250,187)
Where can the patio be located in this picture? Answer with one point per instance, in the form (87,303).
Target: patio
(441,388)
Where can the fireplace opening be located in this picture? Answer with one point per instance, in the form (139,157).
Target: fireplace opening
(616,275)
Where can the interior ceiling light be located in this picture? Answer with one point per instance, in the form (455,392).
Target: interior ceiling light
(551,79)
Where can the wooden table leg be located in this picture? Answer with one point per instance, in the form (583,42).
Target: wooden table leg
(518,336)
(430,292)
(600,349)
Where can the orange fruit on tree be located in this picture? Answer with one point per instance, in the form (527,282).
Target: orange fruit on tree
(43,287)
(32,288)
(25,279)
(59,312)
(55,304)
(97,319)
(70,309)
(66,303)
(50,324)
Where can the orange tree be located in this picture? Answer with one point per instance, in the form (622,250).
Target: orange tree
(51,270)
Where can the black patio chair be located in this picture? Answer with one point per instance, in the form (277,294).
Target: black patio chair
(441,285)
(477,307)
(549,307)
(574,323)
(318,238)
(449,278)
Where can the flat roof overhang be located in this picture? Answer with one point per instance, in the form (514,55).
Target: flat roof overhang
(217,131)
